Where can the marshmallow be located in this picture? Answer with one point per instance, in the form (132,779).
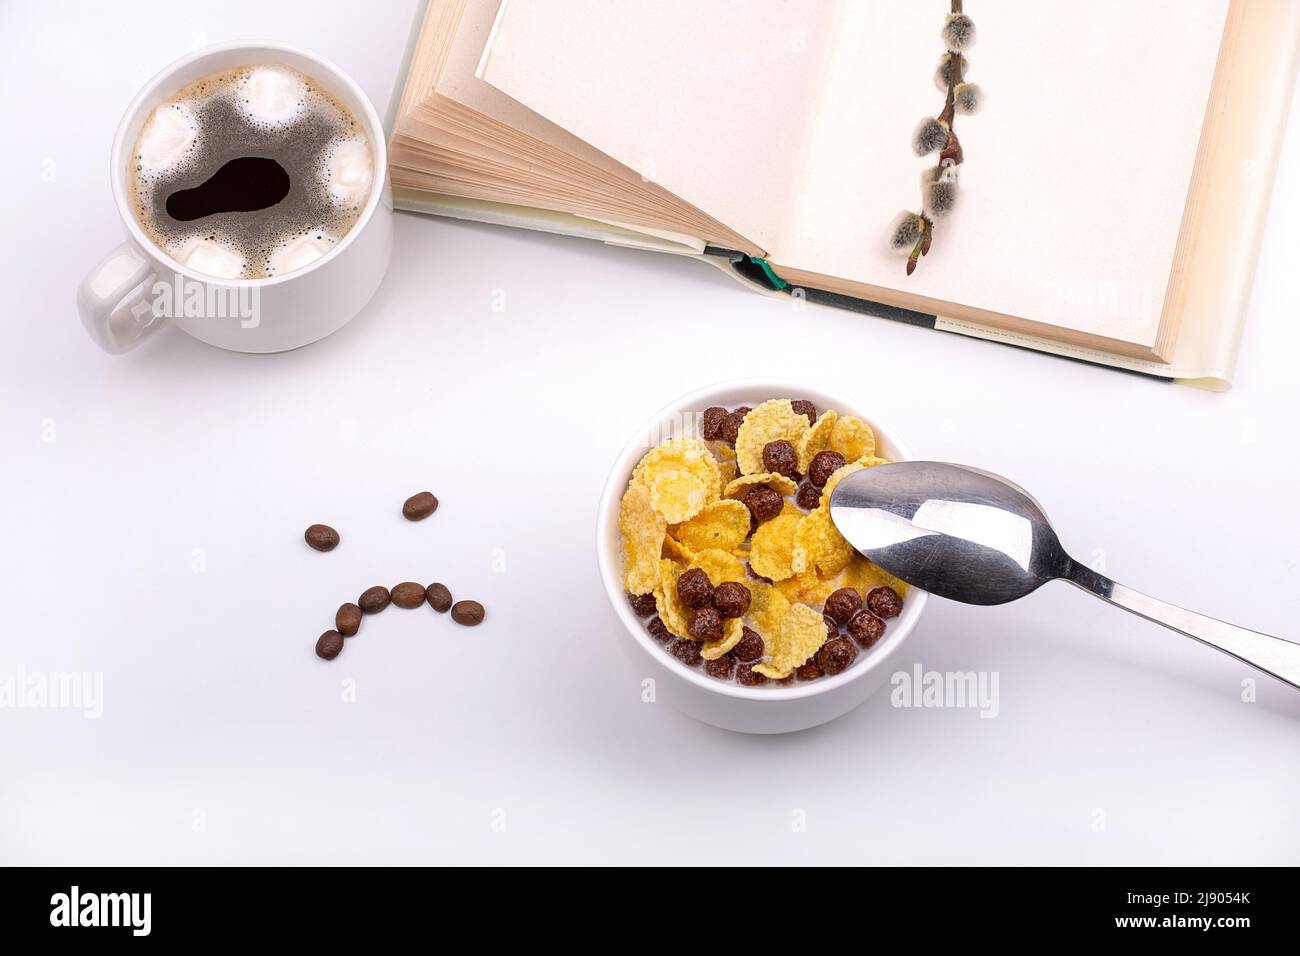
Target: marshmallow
(272,95)
(166,137)
(348,170)
(209,257)
(296,253)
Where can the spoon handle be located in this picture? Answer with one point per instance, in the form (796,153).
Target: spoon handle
(1272,655)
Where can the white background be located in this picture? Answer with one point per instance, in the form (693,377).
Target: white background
(224,739)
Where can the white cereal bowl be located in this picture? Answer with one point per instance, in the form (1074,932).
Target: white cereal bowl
(768,709)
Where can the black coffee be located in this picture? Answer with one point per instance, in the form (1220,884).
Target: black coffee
(246,184)
(249,173)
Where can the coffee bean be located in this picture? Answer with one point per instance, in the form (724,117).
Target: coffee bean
(468,613)
(439,597)
(408,594)
(329,644)
(373,600)
(418,507)
(348,619)
(321,537)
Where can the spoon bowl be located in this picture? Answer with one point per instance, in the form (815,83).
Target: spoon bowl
(974,537)
(920,520)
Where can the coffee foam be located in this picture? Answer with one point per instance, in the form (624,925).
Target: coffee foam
(272,96)
(209,256)
(264,110)
(348,170)
(167,138)
(296,252)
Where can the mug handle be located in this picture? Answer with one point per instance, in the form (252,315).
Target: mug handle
(113,302)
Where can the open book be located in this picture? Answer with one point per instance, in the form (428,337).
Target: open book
(1105,201)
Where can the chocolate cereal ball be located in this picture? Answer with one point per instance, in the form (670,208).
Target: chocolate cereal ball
(764,503)
(706,624)
(823,465)
(658,629)
(711,425)
(721,668)
(688,652)
(832,626)
(836,655)
(731,598)
(808,671)
(779,456)
(694,588)
(865,628)
(807,497)
(884,602)
(730,426)
(642,604)
(843,604)
(750,647)
(804,407)
(746,675)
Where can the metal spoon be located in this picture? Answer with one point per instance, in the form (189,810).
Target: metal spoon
(971,536)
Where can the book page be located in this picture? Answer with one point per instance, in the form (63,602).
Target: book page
(709,100)
(1076,168)
(792,123)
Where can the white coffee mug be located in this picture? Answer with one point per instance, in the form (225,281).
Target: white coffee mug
(137,287)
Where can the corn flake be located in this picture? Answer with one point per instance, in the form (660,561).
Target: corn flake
(818,545)
(852,438)
(643,532)
(672,611)
(870,461)
(738,486)
(683,476)
(727,472)
(677,494)
(732,630)
(801,633)
(719,566)
(864,575)
(807,587)
(723,524)
(767,607)
(813,441)
(772,421)
(771,550)
(675,549)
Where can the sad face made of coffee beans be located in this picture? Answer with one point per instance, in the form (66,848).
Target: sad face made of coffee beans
(407,595)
